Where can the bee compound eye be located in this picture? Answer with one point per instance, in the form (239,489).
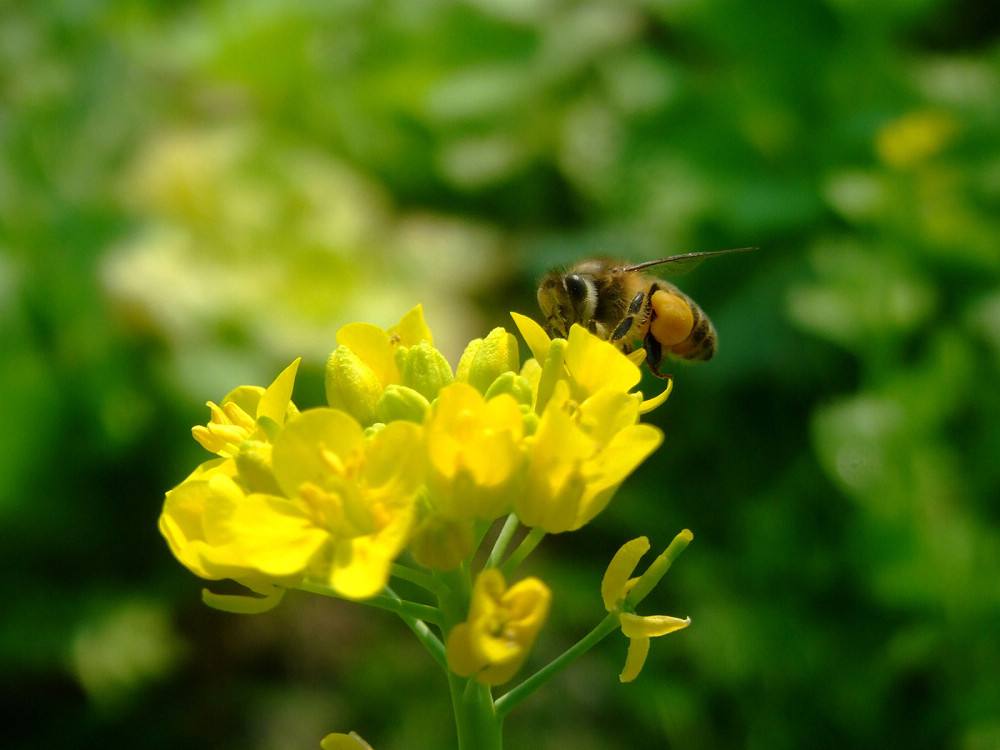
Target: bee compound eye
(576,287)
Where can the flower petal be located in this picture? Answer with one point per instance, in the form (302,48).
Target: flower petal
(298,450)
(533,334)
(271,534)
(394,462)
(274,403)
(361,565)
(620,569)
(638,649)
(462,660)
(412,328)
(637,357)
(243,604)
(595,364)
(652,403)
(651,626)
(372,346)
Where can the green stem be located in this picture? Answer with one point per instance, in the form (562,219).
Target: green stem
(424,634)
(503,539)
(517,694)
(423,580)
(525,548)
(476,721)
(382,601)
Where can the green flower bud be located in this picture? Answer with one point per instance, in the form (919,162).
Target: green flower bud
(351,385)
(399,402)
(484,360)
(253,464)
(424,369)
(513,384)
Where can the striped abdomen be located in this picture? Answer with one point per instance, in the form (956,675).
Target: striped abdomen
(699,346)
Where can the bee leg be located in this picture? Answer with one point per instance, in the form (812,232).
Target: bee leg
(636,304)
(592,326)
(647,309)
(622,329)
(654,355)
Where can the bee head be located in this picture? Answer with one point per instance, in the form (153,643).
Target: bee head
(566,299)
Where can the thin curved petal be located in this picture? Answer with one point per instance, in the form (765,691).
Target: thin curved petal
(638,649)
(412,328)
(656,401)
(243,604)
(637,357)
(533,334)
(651,626)
(619,570)
(274,403)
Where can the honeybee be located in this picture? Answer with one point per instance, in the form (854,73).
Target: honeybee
(620,303)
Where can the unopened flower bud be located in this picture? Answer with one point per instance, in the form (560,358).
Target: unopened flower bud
(484,360)
(424,369)
(516,385)
(351,385)
(399,402)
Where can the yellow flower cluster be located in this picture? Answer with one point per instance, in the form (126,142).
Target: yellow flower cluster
(409,454)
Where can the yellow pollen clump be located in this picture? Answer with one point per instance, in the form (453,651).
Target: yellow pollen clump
(674,319)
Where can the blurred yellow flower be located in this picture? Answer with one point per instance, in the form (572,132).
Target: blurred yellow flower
(615,587)
(914,137)
(501,628)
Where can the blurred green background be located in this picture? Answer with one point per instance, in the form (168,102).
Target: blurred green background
(193,194)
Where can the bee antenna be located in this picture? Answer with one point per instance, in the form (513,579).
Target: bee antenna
(689,256)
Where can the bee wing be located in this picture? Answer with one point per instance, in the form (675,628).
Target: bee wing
(676,265)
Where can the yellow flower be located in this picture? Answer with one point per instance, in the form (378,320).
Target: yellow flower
(339,741)
(358,494)
(344,512)
(248,413)
(579,456)
(249,535)
(365,363)
(615,587)
(473,449)
(501,628)
(586,362)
